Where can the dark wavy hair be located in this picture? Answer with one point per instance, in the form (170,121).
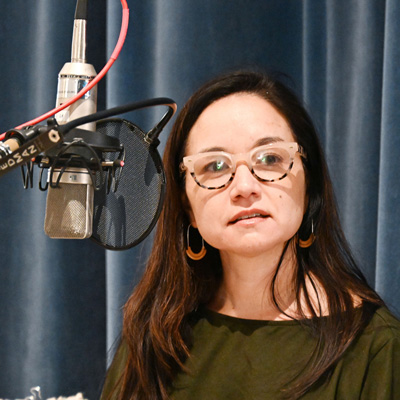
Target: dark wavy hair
(156,329)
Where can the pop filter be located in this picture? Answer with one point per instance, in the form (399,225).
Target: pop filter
(125,217)
(127,207)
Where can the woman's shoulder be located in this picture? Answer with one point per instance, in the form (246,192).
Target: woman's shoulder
(382,331)
(383,320)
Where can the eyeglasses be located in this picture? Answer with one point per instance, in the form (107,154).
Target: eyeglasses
(216,169)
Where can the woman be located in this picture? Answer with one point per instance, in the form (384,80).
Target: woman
(251,291)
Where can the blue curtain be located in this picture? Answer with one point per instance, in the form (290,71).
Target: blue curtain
(60,300)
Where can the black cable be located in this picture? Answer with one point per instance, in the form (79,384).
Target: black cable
(161,101)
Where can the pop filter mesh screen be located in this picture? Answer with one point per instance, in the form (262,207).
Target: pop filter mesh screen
(124,218)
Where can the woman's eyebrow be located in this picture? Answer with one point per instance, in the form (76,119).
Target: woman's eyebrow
(208,149)
(267,140)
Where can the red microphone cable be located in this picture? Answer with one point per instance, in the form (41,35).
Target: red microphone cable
(96,80)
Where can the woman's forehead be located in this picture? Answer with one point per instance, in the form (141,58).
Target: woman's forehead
(236,123)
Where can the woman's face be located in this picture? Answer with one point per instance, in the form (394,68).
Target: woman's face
(236,124)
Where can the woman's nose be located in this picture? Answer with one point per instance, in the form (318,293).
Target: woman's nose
(244,183)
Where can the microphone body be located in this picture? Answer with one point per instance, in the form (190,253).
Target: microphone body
(76,75)
(73,77)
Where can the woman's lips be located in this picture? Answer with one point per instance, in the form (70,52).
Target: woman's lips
(247,216)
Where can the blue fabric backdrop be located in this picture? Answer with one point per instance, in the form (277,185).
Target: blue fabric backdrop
(60,301)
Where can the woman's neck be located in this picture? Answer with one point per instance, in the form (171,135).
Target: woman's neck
(245,290)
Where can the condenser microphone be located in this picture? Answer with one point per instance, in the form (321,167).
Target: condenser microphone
(69,206)
(74,168)
(75,171)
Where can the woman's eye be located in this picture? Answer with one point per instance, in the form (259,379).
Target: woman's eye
(268,159)
(216,166)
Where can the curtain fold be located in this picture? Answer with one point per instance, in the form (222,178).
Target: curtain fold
(61,301)
(346,97)
(387,271)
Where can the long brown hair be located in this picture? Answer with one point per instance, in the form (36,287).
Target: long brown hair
(156,329)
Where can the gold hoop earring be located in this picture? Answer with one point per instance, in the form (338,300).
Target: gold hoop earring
(192,255)
(304,244)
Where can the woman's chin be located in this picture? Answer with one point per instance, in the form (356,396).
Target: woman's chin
(253,248)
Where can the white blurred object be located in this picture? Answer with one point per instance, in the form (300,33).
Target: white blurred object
(36,395)
(79,396)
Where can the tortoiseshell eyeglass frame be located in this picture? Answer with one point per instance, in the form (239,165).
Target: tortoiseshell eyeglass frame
(292,148)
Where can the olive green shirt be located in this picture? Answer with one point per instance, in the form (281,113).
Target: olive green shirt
(239,359)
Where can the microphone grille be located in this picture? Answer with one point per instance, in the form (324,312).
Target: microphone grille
(69,211)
